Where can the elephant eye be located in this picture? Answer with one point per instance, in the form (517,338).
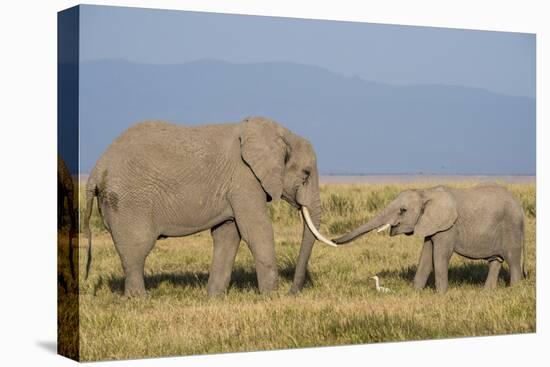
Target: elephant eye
(402,210)
(287,157)
(306,172)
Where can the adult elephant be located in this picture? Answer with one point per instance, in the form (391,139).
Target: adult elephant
(163,180)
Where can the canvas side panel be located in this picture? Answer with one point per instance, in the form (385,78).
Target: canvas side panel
(67,182)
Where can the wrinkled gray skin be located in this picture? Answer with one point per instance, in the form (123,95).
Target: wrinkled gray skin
(163,180)
(484,222)
(65,191)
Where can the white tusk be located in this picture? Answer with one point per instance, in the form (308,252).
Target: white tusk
(384,227)
(320,237)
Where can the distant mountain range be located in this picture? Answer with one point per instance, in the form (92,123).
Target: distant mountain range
(356,126)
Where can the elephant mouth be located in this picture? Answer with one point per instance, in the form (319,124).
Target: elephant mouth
(396,230)
(292,202)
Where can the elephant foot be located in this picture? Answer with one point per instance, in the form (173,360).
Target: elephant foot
(134,288)
(267,280)
(216,293)
(267,291)
(268,288)
(294,291)
(134,293)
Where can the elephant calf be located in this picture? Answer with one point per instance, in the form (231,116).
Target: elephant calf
(483,222)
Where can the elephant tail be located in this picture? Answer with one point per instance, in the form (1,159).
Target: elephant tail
(91,192)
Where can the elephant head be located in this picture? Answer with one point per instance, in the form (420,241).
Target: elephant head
(421,212)
(285,164)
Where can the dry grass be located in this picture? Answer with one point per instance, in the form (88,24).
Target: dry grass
(338,306)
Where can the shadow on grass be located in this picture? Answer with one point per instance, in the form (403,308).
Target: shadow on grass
(241,278)
(470,273)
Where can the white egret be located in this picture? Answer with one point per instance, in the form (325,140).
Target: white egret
(378,287)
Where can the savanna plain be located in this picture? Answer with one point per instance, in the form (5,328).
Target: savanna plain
(339,304)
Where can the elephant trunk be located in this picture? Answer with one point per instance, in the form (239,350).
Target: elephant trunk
(310,202)
(308,239)
(381,221)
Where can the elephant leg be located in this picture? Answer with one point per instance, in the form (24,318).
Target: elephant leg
(133,250)
(425,265)
(514,262)
(226,243)
(492,277)
(513,253)
(252,218)
(442,254)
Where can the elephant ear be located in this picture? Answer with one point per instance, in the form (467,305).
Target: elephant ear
(264,150)
(438,213)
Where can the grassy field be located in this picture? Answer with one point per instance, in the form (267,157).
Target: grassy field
(338,306)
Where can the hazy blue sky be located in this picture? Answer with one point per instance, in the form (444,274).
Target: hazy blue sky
(357,91)
(498,61)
